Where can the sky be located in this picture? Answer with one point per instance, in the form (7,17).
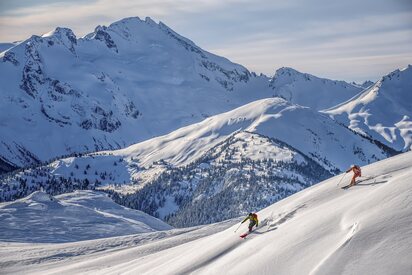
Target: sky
(352,40)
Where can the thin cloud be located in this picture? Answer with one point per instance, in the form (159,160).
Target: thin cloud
(318,36)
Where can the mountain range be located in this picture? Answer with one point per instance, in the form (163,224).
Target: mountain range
(126,83)
(166,127)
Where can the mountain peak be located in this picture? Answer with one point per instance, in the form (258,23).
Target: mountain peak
(150,21)
(127,22)
(63,36)
(287,75)
(287,70)
(132,26)
(58,32)
(407,71)
(130,23)
(309,90)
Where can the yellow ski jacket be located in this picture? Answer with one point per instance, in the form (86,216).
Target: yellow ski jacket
(252,217)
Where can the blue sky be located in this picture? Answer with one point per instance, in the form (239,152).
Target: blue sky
(352,40)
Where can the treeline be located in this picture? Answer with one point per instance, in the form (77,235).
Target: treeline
(51,185)
(20,184)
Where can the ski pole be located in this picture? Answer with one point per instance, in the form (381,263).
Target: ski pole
(238,227)
(341,179)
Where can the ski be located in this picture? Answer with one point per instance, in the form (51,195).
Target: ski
(243,236)
(361,180)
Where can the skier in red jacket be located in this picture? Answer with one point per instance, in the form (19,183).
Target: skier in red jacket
(356,173)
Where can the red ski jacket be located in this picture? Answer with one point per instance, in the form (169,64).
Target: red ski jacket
(356,170)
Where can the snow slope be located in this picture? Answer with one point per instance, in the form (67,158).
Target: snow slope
(24,258)
(311,91)
(82,215)
(321,230)
(383,111)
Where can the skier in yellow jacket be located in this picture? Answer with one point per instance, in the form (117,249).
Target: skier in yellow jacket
(253,220)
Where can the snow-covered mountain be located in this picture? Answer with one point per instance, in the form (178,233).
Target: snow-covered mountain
(383,111)
(311,91)
(321,230)
(116,86)
(126,83)
(246,171)
(242,155)
(270,150)
(82,215)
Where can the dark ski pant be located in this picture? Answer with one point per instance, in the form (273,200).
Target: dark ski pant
(251,224)
(353,181)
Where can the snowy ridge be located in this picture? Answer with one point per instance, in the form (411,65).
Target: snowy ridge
(383,111)
(311,91)
(302,128)
(82,215)
(321,230)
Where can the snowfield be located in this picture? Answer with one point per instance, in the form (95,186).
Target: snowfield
(81,215)
(321,230)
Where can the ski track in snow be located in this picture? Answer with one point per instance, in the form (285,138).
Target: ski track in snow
(340,245)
